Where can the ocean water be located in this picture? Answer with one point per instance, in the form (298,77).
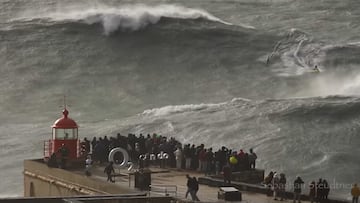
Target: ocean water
(237,73)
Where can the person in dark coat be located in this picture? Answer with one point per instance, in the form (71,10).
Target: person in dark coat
(188,184)
(297,188)
(326,189)
(252,159)
(52,162)
(319,190)
(282,186)
(195,189)
(312,193)
(64,153)
(108,170)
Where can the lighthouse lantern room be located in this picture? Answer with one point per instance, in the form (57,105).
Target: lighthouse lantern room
(64,135)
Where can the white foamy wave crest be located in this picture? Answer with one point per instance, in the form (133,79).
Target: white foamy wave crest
(129,17)
(240,99)
(167,110)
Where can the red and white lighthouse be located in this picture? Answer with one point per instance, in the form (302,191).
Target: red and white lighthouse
(64,134)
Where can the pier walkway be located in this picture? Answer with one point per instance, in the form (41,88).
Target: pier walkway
(169,179)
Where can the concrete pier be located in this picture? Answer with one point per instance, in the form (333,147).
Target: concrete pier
(167,185)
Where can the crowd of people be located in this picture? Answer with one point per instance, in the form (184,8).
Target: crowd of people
(63,153)
(276,183)
(190,157)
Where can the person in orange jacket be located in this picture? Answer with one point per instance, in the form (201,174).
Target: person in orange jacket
(355,192)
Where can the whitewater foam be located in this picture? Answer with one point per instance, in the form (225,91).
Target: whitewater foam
(316,163)
(299,53)
(346,45)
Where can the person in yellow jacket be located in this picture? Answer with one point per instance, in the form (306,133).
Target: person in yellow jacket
(355,192)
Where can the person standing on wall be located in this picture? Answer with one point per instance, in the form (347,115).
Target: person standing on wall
(178,157)
(252,159)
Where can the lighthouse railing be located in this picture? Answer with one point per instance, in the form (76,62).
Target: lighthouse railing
(47,148)
(78,149)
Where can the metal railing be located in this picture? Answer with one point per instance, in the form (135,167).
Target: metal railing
(47,148)
(78,149)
